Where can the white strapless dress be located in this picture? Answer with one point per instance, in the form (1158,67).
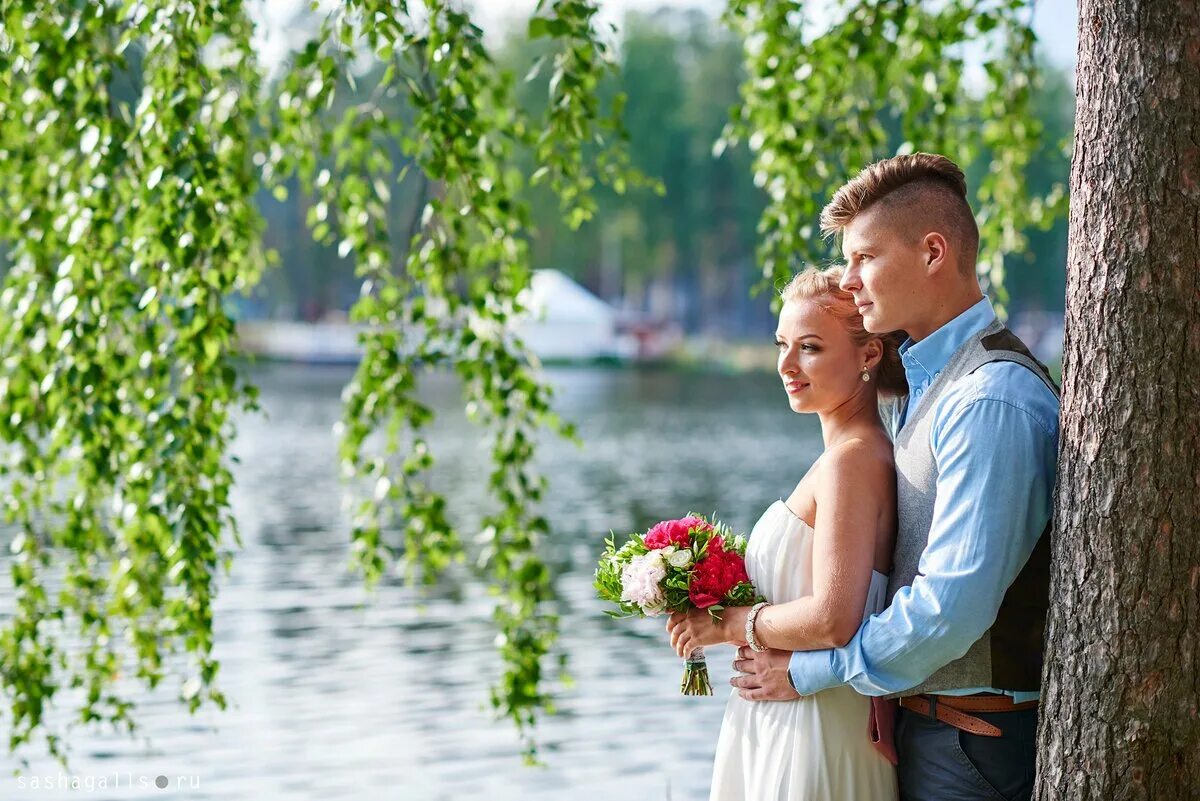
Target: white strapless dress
(811,749)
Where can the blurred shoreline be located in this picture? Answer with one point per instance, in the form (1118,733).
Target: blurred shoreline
(327,344)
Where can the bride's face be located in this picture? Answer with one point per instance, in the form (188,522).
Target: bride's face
(818,361)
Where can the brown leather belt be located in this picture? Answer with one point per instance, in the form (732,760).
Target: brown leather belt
(952,709)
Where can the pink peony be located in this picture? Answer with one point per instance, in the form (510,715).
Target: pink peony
(674,532)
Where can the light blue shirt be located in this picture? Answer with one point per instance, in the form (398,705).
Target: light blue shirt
(994,436)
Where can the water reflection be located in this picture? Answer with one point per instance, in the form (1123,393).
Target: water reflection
(337,695)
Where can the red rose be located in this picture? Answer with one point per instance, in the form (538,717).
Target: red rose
(715,575)
(674,532)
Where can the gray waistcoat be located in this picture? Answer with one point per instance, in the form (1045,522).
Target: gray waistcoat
(1009,654)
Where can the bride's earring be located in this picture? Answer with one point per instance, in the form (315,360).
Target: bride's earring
(865,375)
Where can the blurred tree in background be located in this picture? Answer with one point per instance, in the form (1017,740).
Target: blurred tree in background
(150,168)
(681,72)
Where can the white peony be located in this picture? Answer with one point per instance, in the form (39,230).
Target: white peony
(640,582)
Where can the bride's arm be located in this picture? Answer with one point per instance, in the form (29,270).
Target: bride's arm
(853,483)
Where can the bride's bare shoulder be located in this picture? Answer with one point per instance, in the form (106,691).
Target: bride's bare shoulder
(864,457)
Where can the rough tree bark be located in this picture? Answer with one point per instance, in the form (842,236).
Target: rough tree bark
(1120,690)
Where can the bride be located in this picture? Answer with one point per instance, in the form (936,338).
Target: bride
(820,559)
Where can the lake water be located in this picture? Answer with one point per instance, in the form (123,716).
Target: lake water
(339,695)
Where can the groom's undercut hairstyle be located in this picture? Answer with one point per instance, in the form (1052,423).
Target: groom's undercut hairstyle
(915,194)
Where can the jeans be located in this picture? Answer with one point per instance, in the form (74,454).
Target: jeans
(941,763)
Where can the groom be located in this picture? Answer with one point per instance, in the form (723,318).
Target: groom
(976,444)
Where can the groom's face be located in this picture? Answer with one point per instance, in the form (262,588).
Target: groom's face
(885,272)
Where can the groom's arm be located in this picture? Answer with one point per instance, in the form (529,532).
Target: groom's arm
(996,465)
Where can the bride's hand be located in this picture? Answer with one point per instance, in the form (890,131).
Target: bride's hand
(697,629)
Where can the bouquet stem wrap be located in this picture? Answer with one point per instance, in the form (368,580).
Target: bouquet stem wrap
(695,675)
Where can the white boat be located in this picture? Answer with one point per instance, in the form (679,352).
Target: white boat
(563,322)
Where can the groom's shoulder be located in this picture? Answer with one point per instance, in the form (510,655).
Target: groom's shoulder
(1005,382)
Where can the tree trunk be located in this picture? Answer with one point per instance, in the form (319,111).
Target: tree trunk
(1120,715)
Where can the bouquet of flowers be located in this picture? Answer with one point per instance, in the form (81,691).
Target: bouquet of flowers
(676,566)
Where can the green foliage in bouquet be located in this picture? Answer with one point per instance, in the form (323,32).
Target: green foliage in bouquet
(608,574)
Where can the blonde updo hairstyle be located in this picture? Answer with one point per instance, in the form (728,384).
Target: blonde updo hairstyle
(822,288)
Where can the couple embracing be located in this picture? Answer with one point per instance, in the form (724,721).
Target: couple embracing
(912,561)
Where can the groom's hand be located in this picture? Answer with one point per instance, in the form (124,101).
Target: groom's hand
(766,675)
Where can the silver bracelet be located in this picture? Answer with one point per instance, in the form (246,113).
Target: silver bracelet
(750,618)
